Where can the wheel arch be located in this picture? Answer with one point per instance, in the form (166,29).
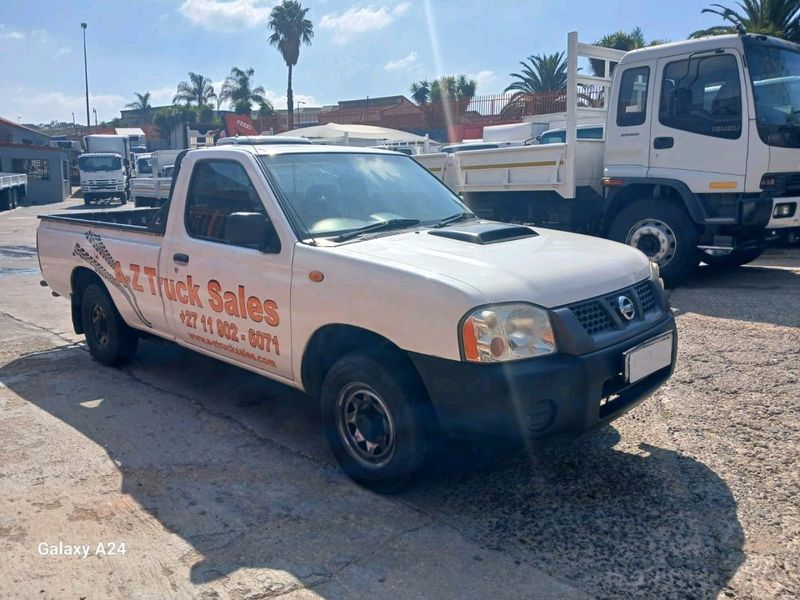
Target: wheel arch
(670,190)
(331,342)
(80,279)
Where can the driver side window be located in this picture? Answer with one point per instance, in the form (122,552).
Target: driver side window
(217,189)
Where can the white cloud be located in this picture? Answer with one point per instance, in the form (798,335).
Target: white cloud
(38,35)
(43,107)
(227,15)
(64,50)
(13,35)
(357,20)
(483,78)
(402,63)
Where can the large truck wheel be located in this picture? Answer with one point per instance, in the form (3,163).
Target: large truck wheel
(110,340)
(124,198)
(88,199)
(735,258)
(378,420)
(12,198)
(664,232)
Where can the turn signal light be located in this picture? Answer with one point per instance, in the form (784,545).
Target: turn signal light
(612,182)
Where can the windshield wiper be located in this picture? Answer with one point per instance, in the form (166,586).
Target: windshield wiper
(462,216)
(381,226)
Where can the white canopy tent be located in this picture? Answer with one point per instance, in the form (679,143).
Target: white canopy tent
(361,135)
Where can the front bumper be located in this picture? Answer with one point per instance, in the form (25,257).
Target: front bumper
(551,396)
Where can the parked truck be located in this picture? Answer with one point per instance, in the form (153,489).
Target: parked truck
(13,187)
(105,168)
(700,137)
(153,189)
(352,274)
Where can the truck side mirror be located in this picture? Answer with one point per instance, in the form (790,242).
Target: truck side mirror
(252,230)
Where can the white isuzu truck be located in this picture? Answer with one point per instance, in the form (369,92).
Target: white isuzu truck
(105,168)
(700,137)
(356,276)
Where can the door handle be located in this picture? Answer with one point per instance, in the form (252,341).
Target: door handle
(180,258)
(662,143)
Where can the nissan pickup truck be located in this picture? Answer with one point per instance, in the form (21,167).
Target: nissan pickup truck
(358,277)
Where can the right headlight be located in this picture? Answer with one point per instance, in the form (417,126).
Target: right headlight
(504,332)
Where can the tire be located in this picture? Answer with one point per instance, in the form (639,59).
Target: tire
(385,397)
(110,340)
(87,200)
(124,198)
(12,198)
(664,232)
(735,258)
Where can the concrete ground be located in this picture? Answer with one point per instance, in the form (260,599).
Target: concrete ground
(220,485)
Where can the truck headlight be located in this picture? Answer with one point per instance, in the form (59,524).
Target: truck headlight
(504,332)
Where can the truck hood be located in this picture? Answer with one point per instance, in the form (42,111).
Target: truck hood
(550,269)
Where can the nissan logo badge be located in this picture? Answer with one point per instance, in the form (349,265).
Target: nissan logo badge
(626,308)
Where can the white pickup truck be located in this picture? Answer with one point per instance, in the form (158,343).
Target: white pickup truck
(356,276)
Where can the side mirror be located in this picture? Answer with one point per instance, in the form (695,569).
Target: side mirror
(252,230)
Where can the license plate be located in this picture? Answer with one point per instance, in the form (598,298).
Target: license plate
(648,357)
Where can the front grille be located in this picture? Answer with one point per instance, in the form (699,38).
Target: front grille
(593,316)
(597,315)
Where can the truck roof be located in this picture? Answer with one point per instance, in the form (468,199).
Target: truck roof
(273,149)
(731,40)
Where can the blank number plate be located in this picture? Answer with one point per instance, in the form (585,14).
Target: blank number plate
(648,357)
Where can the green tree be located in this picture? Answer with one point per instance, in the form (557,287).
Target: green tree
(197,90)
(621,40)
(290,28)
(421,92)
(239,91)
(451,88)
(779,18)
(142,103)
(169,117)
(541,73)
(265,108)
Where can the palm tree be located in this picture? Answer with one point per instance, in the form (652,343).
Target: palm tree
(621,40)
(197,90)
(542,73)
(142,103)
(238,90)
(265,108)
(290,28)
(779,18)
(421,92)
(465,87)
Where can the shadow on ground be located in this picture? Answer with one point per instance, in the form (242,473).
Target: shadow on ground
(770,293)
(247,483)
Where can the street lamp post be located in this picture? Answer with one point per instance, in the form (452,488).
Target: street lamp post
(94,110)
(86,75)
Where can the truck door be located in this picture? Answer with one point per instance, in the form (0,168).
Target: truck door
(628,126)
(698,136)
(228,297)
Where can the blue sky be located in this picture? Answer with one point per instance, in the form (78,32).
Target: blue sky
(372,48)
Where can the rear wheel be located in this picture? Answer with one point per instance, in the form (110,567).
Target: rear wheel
(87,199)
(731,260)
(12,198)
(662,231)
(110,340)
(378,420)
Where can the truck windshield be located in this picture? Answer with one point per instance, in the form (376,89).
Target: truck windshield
(99,163)
(334,193)
(775,73)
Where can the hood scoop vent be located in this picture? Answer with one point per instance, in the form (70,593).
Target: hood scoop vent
(485,233)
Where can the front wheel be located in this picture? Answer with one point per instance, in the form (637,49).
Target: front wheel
(662,231)
(731,260)
(87,200)
(378,420)
(110,340)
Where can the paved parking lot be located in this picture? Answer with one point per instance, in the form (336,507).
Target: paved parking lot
(220,485)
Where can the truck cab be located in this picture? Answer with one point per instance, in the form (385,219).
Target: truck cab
(105,168)
(709,127)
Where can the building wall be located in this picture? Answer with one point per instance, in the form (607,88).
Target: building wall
(47,169)
(12,134)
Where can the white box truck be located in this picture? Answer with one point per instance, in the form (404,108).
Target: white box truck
(700,137)
(105,168)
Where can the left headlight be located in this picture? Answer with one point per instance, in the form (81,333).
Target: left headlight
(505,332)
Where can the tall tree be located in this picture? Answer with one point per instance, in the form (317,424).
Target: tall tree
(290,28)
(421,92)
(621,40)
(450,88)
(239,91)
(780,18)
(541,73)
(141,103)
(197,90)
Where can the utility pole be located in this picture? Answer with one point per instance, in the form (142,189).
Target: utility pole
(86,75)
